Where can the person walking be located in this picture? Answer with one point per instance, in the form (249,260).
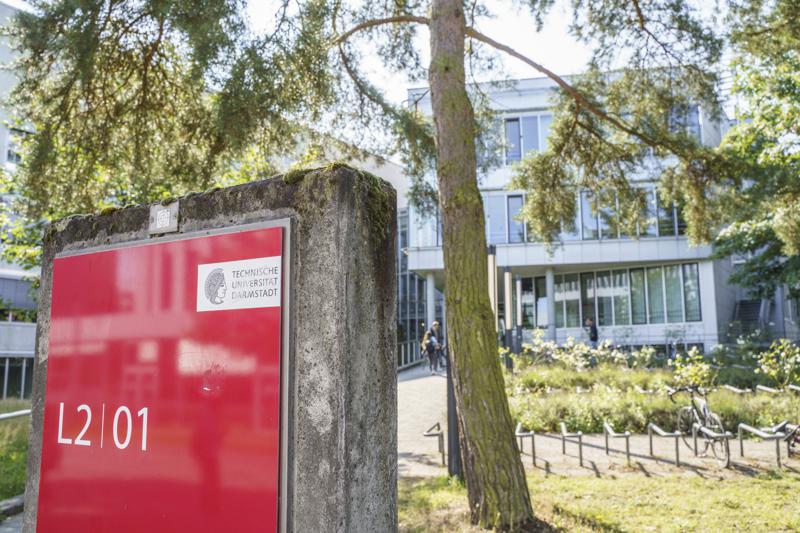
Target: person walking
(432,346)
(592,328)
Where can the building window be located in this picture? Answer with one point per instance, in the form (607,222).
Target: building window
(513,146)
(541,302)
(638,296)
(528,304)
(15,139)
(496,205)
(674,298)
(647,228)
(560,302)
(691,292)
(622,316)
(526,134)
(588,216)
(587,297)
(655,295)
(572,300)
(516,229)
(605,295)
(666,218)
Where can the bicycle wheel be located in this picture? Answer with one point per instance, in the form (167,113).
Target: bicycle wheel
(685,422)
(719,447)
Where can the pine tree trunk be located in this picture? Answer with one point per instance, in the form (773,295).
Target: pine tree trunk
(495,477)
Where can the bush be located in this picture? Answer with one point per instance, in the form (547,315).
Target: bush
(631,411)
(781,363)
(13,450)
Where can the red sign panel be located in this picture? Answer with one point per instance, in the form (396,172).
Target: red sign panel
(163,396)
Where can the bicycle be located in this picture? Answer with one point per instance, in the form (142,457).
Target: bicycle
(699,415)
(792,438)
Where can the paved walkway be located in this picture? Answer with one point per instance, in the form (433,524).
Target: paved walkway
(422,401)
(12,525)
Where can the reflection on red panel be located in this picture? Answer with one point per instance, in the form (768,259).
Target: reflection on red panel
(162,408)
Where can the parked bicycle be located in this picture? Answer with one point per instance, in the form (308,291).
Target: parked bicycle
(698,412)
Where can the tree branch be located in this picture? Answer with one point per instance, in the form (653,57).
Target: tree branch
(576,95)
(380,22)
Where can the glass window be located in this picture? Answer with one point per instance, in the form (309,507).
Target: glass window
(648,227)
(530,134)
(672,284)
(573,233)
(516,229)
(666,218)
(497,219)
(691,292)
(606,216)
(541,302)
(588,216)
(572,297)
(560,290)
(14,388)
(513,149)
(622,316)
(587,297)
(655,295)
(528,313)
(638,298)
(605,316)
(680,220)
(544,129)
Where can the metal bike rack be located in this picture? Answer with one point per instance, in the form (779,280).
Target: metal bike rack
(15,414)
(736,390)
(574,437)
(772,433)
(609,432)
(725,437)
(436,431)
(651,428)
(520,433)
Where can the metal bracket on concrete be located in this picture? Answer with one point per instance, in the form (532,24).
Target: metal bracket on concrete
(436,431)
(651,428)
(574,437)
(520,433)
(609,432)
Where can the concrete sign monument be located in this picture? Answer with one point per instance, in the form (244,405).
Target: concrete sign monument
(233,373)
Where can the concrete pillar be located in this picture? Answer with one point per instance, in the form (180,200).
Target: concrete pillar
(430,300)
(550,282)
(338,449)
(778,319)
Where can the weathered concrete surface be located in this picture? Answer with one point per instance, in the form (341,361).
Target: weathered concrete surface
(343,412)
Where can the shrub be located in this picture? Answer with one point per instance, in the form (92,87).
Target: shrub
(692,370)
(781,363)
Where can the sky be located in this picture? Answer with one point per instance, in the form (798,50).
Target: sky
(553,46)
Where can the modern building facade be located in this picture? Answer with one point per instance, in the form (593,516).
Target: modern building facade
(17,305)
(652,288)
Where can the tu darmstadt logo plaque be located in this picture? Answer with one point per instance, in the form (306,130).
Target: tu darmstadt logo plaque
(244,284)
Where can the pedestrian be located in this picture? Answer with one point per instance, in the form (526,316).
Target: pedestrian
(432,347)
(592,331)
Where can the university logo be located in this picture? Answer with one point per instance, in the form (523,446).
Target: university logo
(242,284)
(215,287)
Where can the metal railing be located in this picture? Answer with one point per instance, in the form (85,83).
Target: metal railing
(651,428)
(572,437)
(775,433)
(436,431)
(520,433)
(610,433)
(408,354)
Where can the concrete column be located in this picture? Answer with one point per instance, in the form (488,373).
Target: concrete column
(550,282)
(430,300)
(778,319)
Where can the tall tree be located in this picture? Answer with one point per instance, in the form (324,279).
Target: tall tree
(96,71)
(764,148)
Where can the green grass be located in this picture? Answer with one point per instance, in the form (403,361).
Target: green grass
(632,503)
(13,449)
